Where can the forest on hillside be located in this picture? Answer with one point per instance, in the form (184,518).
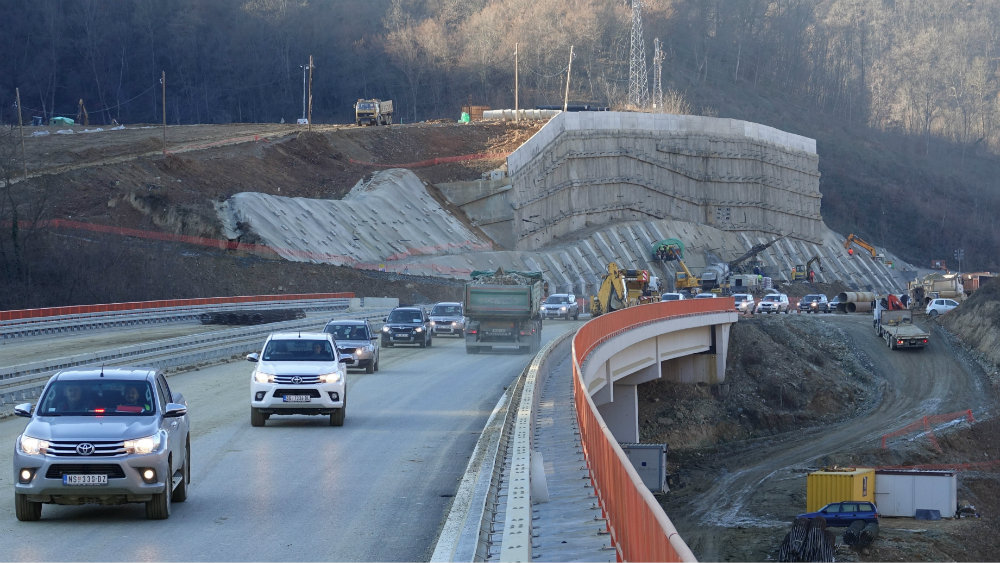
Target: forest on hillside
(903,96)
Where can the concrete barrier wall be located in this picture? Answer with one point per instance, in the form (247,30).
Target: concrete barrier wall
(593,168)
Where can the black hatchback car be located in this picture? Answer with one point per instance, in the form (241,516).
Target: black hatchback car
(407,325)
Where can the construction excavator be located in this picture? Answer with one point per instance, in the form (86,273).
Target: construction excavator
(801,272)
(612,295)
(684,280)
(737,265)
(852,239)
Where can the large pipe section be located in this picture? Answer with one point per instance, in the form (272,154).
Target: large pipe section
(856,301)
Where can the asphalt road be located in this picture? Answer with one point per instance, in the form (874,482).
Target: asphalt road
(376,489)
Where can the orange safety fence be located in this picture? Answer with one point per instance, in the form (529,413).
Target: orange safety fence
(639,529)
(926,423)
(134,306)
(271,251)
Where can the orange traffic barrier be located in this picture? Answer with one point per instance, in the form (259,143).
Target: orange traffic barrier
(639,529)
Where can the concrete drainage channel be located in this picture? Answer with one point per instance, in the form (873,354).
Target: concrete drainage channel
(24,382)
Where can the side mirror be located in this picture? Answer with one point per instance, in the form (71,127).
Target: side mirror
(253,357)
(174,410)
(23,409)
(344,360)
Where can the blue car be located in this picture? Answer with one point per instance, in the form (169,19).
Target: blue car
(843,513)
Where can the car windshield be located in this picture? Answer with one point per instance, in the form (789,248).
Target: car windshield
(669,296)
(97,398)
(557,300)
(446,310)
(347,332)
(811,298)
(405,317)
(298,351)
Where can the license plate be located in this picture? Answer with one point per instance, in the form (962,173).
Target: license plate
(296,398)
(400,337)
(85,479)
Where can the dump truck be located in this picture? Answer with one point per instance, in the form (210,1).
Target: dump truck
(373,112)
(894,324)
(503,310)
(923,290)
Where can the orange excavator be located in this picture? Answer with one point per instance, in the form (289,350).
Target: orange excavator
(853,239)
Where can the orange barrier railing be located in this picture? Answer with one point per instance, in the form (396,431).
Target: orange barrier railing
(132,306)
(639,529)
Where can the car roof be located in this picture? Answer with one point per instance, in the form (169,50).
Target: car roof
(408,308)
(347,322)
(450,303)
(118,373)
(299,336)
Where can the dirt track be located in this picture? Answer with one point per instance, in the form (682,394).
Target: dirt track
(739,500)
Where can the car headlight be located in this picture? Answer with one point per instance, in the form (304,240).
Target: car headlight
(330,377)
(262,377)
(145,445)
(418,329)
(32,446)
(385,328)
(433,323)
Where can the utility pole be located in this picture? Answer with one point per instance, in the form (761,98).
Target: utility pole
(163,83)
(516,116)
(569,69)
(20,128)
(310,118)
(303,67)
(657,75)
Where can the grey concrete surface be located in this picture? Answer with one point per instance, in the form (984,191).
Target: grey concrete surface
(586,190)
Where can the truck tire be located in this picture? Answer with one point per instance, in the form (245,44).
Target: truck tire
(158,508)
(256,417)
(337,416)
(26,510)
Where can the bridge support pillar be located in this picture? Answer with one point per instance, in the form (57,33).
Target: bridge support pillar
(622,414)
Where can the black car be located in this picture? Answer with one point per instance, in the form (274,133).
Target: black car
(407,325)
(814,303)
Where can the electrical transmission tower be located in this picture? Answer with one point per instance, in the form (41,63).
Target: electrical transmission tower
(638,82)
(657,75)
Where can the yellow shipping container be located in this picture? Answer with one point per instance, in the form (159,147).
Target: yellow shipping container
(849,483)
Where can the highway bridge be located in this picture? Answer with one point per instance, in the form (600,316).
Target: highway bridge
(435,460)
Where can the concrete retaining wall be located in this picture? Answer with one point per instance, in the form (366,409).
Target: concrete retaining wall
(594,168)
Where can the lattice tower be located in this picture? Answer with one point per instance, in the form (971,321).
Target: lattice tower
(638,81)
(657,75)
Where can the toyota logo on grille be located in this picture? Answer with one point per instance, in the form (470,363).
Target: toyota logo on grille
(85,448)
(296,380)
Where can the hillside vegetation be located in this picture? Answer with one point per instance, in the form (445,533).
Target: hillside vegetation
(901,96)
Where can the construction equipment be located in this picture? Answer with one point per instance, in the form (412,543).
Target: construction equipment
(853,239)
(504,309)
(373,112)
(737,265)
(715,277)
(932,286)
(672,249)
(802,272)
(612,295)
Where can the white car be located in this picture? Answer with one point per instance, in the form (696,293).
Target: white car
(744,302)
(298,373)
(773,303)
(938,306)
(706,295)
(671,296)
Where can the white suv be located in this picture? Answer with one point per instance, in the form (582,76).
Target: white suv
(773,303)
(298,373)
(744,302)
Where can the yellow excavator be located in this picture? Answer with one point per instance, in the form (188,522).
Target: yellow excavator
(801,272)
(612,295)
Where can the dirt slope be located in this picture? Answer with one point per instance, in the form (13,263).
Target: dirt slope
(808,391)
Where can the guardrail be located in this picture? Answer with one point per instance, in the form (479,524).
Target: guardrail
(29,322)
(640,530)
(23,382)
